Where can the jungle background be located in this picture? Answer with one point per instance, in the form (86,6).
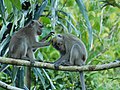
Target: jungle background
(95,22)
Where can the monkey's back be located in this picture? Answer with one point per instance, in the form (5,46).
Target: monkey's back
(19,43)
(71,40)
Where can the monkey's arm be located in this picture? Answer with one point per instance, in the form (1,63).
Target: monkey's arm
(40,44)
(61,61)
(46,37)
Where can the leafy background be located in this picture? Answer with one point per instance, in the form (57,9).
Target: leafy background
(96,22)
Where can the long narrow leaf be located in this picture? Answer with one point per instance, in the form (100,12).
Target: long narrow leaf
(2,8)
(69,23)
(37,71)
(52,85)
(2,11)
(17,4)
(54,5)
(2,31)
(64,27)
(85,15)
(41,9)
(8,5)
(4,43)
(77,32)
(20,77)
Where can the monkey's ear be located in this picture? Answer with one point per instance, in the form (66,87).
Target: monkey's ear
(32,22)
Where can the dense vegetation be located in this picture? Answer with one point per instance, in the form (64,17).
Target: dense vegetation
(96,22)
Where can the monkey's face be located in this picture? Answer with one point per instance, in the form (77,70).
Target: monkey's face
(37,26)
(58,43)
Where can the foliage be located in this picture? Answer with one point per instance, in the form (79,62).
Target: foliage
(98,27)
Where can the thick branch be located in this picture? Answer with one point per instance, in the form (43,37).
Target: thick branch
(19,62)
(8,87)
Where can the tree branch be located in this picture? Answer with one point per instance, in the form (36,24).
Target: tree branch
(8,87)
(20,62)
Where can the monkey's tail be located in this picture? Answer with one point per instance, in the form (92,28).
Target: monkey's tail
(82,80)
(28,77)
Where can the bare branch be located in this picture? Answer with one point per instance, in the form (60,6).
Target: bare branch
(8,87)
(20,62)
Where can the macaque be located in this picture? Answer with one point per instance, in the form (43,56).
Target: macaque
(73,52)
(24,42)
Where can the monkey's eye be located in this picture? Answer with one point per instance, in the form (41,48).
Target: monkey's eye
(32,21)
(41,26)
(59,35)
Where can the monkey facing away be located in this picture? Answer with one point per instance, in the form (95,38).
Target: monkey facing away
(23,42)
(72,51)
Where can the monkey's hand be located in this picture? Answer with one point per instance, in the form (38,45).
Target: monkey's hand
(56,65)
(51,33)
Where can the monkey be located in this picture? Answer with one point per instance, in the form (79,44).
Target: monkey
(23,42)
(72,52)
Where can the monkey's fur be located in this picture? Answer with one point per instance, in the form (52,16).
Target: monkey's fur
(23,42)
(73,52)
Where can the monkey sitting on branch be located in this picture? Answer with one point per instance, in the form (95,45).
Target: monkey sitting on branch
(72,51)
(23,42)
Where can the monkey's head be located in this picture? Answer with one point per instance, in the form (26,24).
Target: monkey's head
(37,26)
(58,43)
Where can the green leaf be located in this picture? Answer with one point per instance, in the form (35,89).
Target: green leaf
(2,8)
(39,74)
(85,15)
(60,23)
(20,78)
(8,6)
(17,4)
(2,12)
(45,20)
(40,10)
(52,85)
(4,43)
(2,31)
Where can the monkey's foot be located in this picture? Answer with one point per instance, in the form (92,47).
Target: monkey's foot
(56,66)
(51,33)
(32,62)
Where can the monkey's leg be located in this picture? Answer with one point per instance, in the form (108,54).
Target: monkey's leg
(30,55)
(40,44)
